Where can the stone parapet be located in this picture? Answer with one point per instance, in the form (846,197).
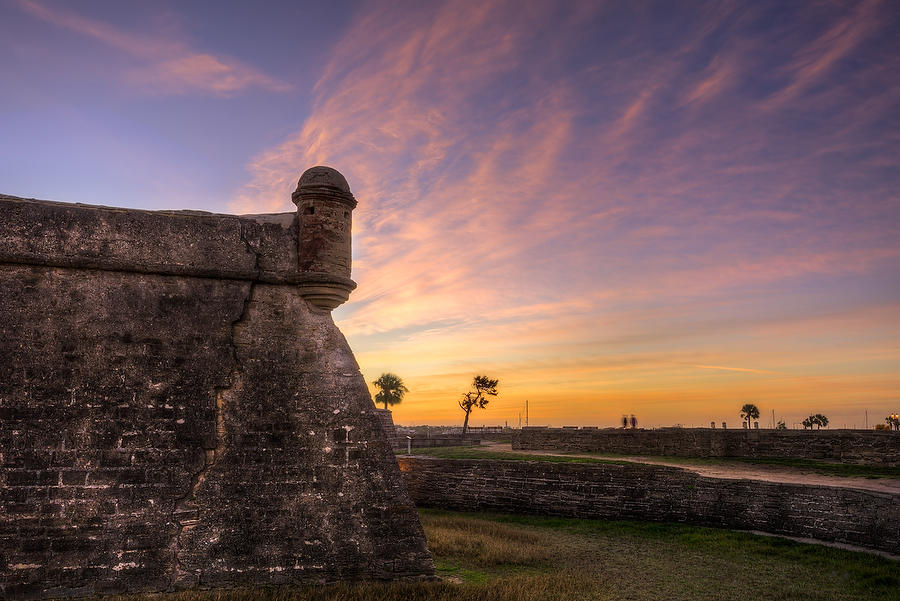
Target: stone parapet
(184,243)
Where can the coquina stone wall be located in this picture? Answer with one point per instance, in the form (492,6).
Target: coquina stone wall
(175,413)
(656,493)
(846,446)
(387,424)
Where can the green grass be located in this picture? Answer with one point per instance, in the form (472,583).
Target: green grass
(807,465)
(639,560)
(492,557)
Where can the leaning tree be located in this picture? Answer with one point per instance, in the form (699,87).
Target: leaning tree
(482,388)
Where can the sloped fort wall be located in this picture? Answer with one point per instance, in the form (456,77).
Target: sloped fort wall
(174,412)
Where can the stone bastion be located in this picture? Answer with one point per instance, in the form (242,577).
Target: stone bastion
(178,408)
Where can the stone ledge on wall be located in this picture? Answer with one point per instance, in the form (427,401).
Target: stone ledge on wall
(186,243)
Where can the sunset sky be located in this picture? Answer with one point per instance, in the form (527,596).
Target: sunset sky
(661,208)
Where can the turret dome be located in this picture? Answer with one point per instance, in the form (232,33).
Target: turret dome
(324,181)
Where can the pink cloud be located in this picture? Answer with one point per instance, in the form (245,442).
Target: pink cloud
(816,59)
(631,116)
(202,73)
(738,369)
(575,247)
(423,230)
(167,65)
(714,80)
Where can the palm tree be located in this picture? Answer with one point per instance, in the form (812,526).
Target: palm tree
(391,389)
(749,411)
(820,420)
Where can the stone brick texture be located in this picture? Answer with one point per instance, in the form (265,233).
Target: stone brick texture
(863,447)
(656,493)
(325,236)
(387,424)
(173,414)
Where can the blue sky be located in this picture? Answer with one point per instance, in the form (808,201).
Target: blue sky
(666,209)
(94,99)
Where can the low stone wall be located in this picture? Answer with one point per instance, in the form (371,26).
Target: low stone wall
(656,493)
(865,447)
(419,442)
(490,436)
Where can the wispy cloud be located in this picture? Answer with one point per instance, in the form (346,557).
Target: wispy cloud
(436,200)
(715,79)
(741,369)
(527,211)
(816,59)
(164,65)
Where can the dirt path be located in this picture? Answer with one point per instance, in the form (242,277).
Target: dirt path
(763,472)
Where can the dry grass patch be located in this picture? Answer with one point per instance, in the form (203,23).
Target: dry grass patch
(485,543)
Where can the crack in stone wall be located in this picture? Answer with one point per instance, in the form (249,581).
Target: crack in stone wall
(184,513)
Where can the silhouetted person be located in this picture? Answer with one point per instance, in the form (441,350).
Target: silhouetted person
(624,422)
(633,422)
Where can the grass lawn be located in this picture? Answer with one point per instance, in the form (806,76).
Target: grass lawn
(489,557)
(806,465)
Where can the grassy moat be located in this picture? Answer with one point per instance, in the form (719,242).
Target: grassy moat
(491,557)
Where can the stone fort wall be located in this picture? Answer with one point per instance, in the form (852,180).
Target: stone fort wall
(868,447)
(656,493)
(174,412)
